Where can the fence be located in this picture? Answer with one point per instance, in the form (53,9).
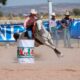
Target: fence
(7,31)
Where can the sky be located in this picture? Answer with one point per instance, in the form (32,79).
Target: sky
(33,2)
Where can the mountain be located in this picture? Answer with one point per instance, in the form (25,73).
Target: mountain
(43,8)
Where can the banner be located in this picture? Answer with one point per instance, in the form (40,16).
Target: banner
(7,31)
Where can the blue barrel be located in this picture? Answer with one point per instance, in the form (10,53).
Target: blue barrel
(46,25)
(75,29)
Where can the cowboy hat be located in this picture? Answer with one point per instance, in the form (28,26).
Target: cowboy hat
(33,11)
(53,14)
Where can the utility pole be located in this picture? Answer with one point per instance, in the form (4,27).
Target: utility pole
(49,11)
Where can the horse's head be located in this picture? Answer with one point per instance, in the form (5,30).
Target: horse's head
(16,36)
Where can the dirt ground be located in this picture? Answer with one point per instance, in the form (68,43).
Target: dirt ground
(47,65)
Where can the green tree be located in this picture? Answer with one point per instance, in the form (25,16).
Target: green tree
(3,2)
(76,11)
(10,15)
(1,14)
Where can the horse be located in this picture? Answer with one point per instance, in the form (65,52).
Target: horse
(41,37)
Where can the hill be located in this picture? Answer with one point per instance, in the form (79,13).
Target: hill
(43,8)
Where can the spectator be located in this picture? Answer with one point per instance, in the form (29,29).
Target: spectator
(53,26)
(66,23)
